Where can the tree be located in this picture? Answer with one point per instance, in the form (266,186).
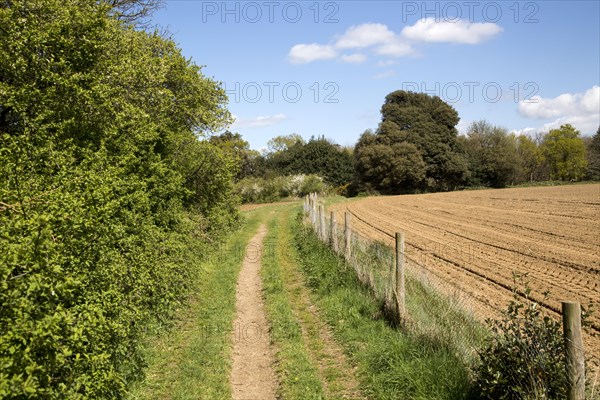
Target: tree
(239,150)
(107,196)
(593,156)
(389,169)
(531,160)
(564,151)
(428,124)
(284,142)
(318,156)
(492,154)
(135,12)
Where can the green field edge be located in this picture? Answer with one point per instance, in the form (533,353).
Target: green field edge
(391,363)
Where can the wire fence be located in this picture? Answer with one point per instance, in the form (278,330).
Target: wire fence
(423,298)
(414,299)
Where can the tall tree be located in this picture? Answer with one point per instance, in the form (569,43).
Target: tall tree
(389,169)
(593,156)
(428,124)
(101,171)
(492,154)
(284,142)
(239,149)
(318,156)
(531,160)
(565,153)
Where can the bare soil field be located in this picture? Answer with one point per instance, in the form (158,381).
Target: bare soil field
(471,243)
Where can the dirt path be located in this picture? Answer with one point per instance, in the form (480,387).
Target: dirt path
(252,375)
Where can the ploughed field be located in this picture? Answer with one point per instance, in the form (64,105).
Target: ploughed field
(470,244)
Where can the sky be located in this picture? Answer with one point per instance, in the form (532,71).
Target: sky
(323,68)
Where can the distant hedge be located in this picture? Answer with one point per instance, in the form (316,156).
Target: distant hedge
(108,197)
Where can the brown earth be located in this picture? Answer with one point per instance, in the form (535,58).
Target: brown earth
(473,242)
(252,373)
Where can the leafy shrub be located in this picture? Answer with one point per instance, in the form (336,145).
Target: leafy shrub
(107,197)
(261,190)
(311,184)
(525,357)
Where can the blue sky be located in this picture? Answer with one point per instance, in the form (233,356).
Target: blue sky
(324,68)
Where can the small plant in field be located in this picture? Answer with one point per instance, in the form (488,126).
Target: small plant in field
(525,356)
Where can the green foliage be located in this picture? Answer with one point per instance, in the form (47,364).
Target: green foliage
(319,157)
(103,182)
(532,166)
(420,130)
(238,149)
(284,142)
(261,190)
(593,156)
(492,154)
(390,169)
(311,184)
(565,152)
(525,358)
(209,173)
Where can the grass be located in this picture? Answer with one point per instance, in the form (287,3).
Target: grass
(298,377)
(326,372)
(192,360)
(391,363)
(552,183)
(429,313)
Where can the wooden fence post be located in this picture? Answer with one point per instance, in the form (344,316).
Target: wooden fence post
(322,227)
(333,232)
(347,235)
(571,313)
(314,212)
(400,288)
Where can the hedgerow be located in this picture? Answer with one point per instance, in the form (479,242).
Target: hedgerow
(105,202)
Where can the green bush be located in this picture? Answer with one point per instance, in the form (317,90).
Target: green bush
(525,357)
(263,190)
(107,197)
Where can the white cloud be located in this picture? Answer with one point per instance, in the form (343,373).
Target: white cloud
(384,42)
(582,110)
(305,53)
(355,58)
(258,122)
(430,30)
(364,35)
(528,131)
(395,48)
(385,74)
(378,36)
(385,63)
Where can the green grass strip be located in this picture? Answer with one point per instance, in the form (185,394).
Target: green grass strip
(391,364)
(298,377)
(192,360)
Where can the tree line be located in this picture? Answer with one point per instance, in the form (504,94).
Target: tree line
(416,148)
(110,191)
